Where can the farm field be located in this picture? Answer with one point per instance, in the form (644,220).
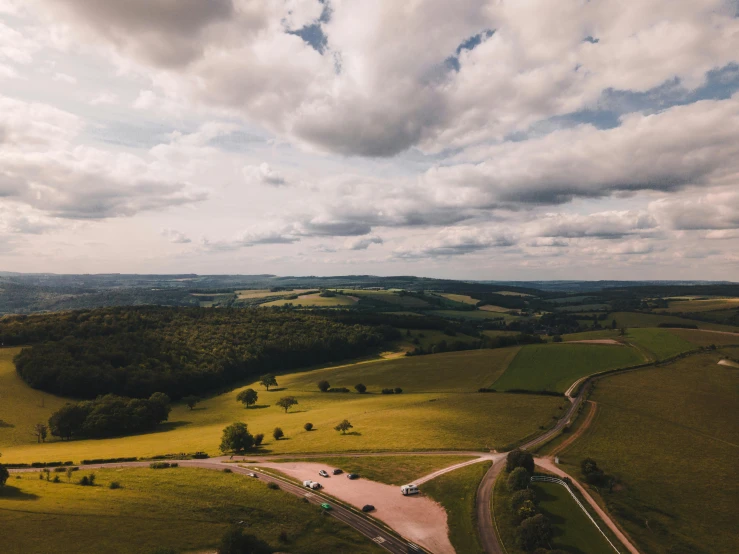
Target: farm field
(461,298)
(264,293)
(313,300)
(409,421)
(701,305)
(554,367)
(659,343)
(612,334)
(456,491)
(583,307)
(387,296)
(706,338)
(473,314)
(184,509)
(491,308)
(573,531)
(634,319)
(669,435)
(391,470)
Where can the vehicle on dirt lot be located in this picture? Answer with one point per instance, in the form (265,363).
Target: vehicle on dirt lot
(253,475)
(368,508)
(409,489)
(337,471)
(323,473)
(352,476)
(326,506)
(311,485)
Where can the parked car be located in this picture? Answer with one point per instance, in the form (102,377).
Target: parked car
(253,475)
(352,476)
(323,473)
(409,489)
(311,485)
(337,471)
(368,508)
(326,506)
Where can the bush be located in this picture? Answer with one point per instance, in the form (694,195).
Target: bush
(163,465)
(88,480)
(519,497)
(56,479)
(107,460)
(273,486)
(398,390)
(518,479)
(388,391)
(4,474)
(115,485)
(519,458)
(483,389)
(534,531)
(228,470)
(360,388)
(60,469)
(338,389)
(323,386)
(278,433)
(258,438)
(308,426)
(235,541)
(200,455)
(557,338)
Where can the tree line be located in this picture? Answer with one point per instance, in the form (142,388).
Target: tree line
(138,351)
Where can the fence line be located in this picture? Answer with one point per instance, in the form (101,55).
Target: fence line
(558,481)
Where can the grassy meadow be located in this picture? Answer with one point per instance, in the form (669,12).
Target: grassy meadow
(669,435)
(635,319)
(436,411)
(573,531)
(659,343)
(456,491)
(391,470)
(461,298)
(702,305)
(313,300)
(554,367)
(184,509)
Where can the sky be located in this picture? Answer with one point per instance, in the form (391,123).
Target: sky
(497,139)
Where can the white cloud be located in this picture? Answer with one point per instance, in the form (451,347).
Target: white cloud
(265,175)
(64,78)
(175,237)
(362,243)
(104,99)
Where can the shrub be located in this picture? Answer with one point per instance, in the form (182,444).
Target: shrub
(228,470)
(283,536)
(518,479)
(388,391)
(107,460)
(278,433)
(339,389)
(398,390)
(360,388)
(272,485)
(56,479)
(486,390)
(4,474)
(258,438)
(60,469)
(308,426)
(519,497)
(519,458)
(323,386)
(557,338)
(88,480)
(534,531)
(115,485)
(200,455)
(235,541)
(163,465)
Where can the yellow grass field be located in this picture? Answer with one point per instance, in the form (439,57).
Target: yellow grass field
(314,300)
(436,411)
(491,308)
(461,298)
(702,305)
(264,293)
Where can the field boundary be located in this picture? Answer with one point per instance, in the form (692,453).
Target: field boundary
(556,480)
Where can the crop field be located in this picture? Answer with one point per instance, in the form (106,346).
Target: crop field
(313,300)
(412,420)
(659,343)
(634,319)
(389,297)
(464,371)
(473,314)
(461,298)
(573,531)
(554,367)
(612,334)
(264,293)
(571,299)
(391,470)
(706,338)
(584,307)
(184,509)
(669,435)
(456,492)
(491,308)
(702,305)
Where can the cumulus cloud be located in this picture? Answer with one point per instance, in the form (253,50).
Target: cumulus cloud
(175,237)
(714,211)
(104,99)
(457,241)
(250,238)
(264,175)
(606,225)
(362,243)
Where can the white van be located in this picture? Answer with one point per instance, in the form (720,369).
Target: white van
(311,485)
(409,489)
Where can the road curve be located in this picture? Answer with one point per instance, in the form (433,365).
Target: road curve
(484,510)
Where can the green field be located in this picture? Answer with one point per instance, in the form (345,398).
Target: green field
(702,305)
(634,319)
(388,297)
(461,298)
(659,343)
(183,509)
(554,367)
(669,435)
(612,334)
(313,300)
(473,314)
(456,491)
(573,531)
(706,338)
(410,421)
(391,470)
(264,293)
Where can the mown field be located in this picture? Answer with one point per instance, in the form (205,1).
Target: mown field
(184,509)
(669,435)
(554,367)
(461,298)
(702,305)
(659,343)
(391,470)
(456,491)
(634,319)
(388,297)
(313,300)
(264,293)
(413,420)
(573,531)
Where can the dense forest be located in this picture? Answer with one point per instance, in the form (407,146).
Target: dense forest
(136,352)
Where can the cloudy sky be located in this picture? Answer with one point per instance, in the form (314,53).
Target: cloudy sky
(499,139)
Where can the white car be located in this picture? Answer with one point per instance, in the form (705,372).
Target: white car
(323,473)
(409,489)
(311,485)
(253,475)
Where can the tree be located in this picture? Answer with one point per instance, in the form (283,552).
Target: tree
(268,381)
(4,474)
(258,438)
(159,406)
(526,510)
(344,426)
(519,497)
(67,421)
(614,324)
(557,338)
(323,386)
(287,402)
(235,541)
(41,431)
(360,388)
(248,397)
(518,479)
(277,433)
(308,426)
(69,474)
(191,401)
(519,458)
(534,531)
(398,390)
(622,331)
(236,438)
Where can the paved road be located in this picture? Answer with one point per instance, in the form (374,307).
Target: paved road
(485,523)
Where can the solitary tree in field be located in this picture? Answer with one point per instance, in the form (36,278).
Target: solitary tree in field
(287,402)
(360,388)
(268,381)
(258,438)
(323,386)
(236,438)
(308,426)
(41,431)
(191,401)
(248,397)
(344,426)
(277,433)
(614,324)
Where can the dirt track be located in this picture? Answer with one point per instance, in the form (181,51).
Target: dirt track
(577,434)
